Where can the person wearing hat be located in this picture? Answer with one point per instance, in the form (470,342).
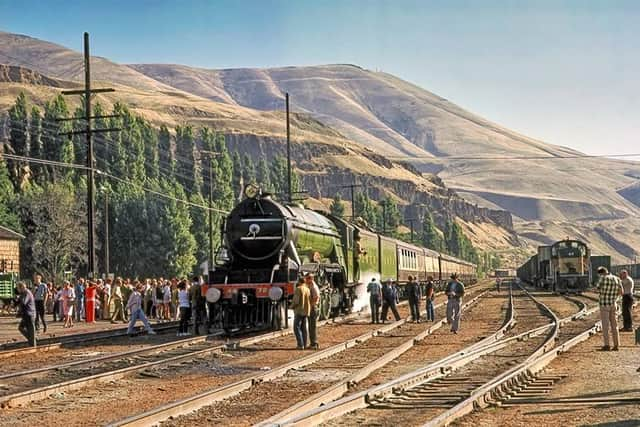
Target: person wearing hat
(455,292)
(375,298)
(414,293)
(389,300)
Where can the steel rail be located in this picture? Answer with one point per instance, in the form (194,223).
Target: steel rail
(48,344)
(78,383)
(338,390)
(209,397)
(482,396)
(431,372)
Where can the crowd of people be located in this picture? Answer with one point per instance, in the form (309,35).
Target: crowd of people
(385,296)
(115,300)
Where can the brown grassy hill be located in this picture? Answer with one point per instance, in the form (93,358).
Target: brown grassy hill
(363,119)
(403,121)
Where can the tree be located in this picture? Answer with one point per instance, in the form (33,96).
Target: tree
(8,215)
(177,223)
(166,158)
(18,139)
(365,209)
(238,175)
(390,218)
(223,171)
(337,206)
(35,142)
(55,146)
(57,229)
(249,169)
(431,238)
(263,176)
(187,172)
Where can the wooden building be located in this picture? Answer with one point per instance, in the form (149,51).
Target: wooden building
(9,250)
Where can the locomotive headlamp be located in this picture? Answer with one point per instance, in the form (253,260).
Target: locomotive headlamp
(251,191)
(213,295)
(275,293)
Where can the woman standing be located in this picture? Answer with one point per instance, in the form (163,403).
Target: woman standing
(68,300)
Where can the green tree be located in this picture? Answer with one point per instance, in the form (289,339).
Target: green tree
(238,175)
(365,209)
(18,140)
(166,158)
(187,172)
(56,229)
(55,146)
(337,206)
(8,199)
(390,218)
(177,224)
(35,142)
(431,238)
(263,176)
(249,169)
(223,190)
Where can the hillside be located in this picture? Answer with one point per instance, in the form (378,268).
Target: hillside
(354,121)
(402,121)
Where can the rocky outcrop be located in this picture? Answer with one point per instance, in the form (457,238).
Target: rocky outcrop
(324,182)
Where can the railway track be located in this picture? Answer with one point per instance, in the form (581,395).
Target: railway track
(332,372)
(161,361)
(448,389)
(14,350)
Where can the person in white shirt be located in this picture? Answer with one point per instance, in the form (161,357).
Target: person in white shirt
(134,305)
(184,304)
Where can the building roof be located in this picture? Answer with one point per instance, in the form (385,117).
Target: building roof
(6,233)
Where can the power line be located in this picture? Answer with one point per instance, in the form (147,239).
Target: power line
(575,156)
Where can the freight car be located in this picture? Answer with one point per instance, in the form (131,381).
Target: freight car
(267,245)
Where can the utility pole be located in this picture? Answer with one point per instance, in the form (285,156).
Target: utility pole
(353,202)
(411,221)
(289,186)
(88,132)
(211,155)
(106,233)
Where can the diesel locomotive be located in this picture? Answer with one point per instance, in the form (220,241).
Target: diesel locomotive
(267,245)
(564,266)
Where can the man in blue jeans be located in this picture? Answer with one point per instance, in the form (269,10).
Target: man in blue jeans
(455,292)
(429,296)
(301,306)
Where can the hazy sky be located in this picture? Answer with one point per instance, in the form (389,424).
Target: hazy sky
(566,72)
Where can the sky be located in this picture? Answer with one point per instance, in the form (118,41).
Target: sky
(565,72)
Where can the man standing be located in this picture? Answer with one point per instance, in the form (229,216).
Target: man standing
(27,307)
(609,289)
(41,297)
(134,305)
(197,304)
(375,298)
(455,292)
(429,296)
(414,294)
(314,294)
(301,306)
(389,300)
(627,301)
(79,289)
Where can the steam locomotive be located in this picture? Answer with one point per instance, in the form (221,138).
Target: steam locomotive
(266,246)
